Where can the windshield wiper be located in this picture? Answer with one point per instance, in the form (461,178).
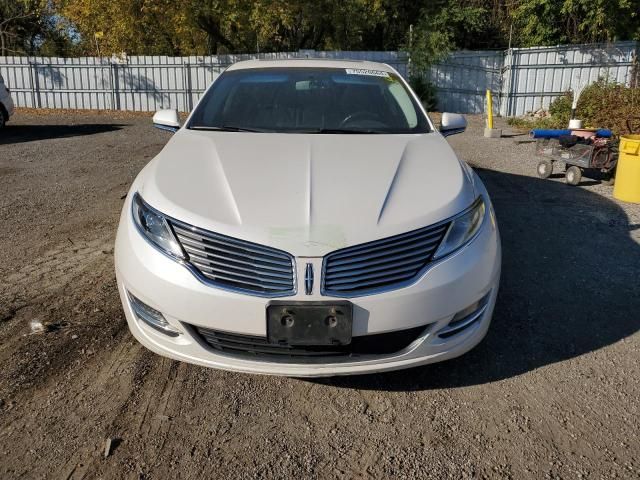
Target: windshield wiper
(233,128)
(345,130)
(228,128)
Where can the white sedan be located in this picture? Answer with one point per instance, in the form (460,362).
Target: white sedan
(6,103)
(308,220)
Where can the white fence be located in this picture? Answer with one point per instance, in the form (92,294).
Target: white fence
(533,77)
(139,83)
(464,79)
(521,80)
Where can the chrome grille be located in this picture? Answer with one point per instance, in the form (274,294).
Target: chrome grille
(237,264)
(380,265)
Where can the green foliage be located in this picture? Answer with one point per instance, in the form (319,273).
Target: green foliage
(559,115)
(552,22)
(429,29)
(426,91)
(603,104)
(27,26)
(442,27)
(527,124)
(560,109)
(607,104)
(227,26)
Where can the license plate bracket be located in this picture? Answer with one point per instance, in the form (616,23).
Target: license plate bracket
(310,323)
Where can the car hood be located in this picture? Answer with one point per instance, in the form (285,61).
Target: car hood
(306,194)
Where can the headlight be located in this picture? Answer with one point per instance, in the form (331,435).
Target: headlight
(462,229)
(152,225)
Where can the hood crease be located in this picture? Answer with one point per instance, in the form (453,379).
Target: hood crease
(392,184)
(227,185)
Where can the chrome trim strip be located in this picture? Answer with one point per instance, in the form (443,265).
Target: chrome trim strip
(138,308)
(335,269)
(453,131)
(265,285)
(395,242)
(356,278)
(222,260)
(360,257)
(195,234)
(280,280)
(194,244)
(166,128)
(378,268)
(463,323)
(208,282)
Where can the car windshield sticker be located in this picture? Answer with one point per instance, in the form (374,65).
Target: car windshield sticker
(366,71)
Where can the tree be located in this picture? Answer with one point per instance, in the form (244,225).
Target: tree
(145,27)
(443,26)
(324,24)
(196,27)
(22,26)
(552,22)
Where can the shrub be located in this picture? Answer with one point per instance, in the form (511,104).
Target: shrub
(426,91)
(560,109)
(606,104)
(603,104)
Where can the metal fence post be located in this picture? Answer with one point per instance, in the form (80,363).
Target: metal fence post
(115,86)
(183,71)
(186,86)
(35,85)
(189,88)
(506,102)
(112,81)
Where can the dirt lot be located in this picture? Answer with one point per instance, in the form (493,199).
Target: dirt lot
(551,393)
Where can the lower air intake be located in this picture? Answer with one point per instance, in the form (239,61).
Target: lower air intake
(252,347)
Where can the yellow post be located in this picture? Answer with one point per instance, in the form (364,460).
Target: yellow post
(627,185)
(489,110)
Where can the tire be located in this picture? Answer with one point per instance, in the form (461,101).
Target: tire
(3,118)
(573,175)
(545,168)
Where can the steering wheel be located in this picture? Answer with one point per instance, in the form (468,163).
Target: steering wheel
(361,115)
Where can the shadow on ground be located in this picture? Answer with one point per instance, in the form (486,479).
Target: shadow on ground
(29,133)
(569,286)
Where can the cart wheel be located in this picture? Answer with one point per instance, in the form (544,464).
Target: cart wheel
(545,168)
(573,175)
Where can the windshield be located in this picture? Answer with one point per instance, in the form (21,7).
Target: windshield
(309,100)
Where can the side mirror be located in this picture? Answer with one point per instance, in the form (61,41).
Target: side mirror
(166,120)
(452,123)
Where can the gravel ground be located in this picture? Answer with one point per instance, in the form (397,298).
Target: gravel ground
(552,392)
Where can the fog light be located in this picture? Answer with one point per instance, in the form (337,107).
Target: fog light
(465,318)
(151,316)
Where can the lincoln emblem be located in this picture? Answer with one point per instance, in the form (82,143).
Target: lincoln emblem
(308,279)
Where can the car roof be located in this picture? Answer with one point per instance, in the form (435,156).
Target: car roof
(312,63)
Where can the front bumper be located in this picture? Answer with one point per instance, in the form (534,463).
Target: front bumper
(448,287)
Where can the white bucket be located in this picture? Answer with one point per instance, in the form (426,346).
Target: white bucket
(575,124)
